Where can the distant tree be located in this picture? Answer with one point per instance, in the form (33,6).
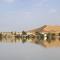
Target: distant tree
(12,33)
(39,36)
(49,37)
(24,36)
(17,36)
(32,36)
(24,33)
(28,37)
(53,36)
(15,33)
(37,33)
(42,36)
(1,36)
(59,34)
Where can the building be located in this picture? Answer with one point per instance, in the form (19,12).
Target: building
(47,28)
(54,30)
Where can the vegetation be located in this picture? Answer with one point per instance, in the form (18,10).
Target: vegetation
(24,33)
(42,36)
(59,34)
(49,36)
(0,36)
(53,36)
(39,36)
(23,40)
(12,33)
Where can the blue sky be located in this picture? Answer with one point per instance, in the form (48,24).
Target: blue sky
(18,15)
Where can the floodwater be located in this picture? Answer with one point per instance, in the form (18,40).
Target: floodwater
(27,51)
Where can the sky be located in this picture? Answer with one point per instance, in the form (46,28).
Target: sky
(18,15)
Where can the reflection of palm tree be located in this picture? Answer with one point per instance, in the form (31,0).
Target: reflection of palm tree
(23,40)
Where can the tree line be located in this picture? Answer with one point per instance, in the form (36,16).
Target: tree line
(38,36)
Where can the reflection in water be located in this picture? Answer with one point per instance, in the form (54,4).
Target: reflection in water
(49,39)
(50,42)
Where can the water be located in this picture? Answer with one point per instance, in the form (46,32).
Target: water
(27,51)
